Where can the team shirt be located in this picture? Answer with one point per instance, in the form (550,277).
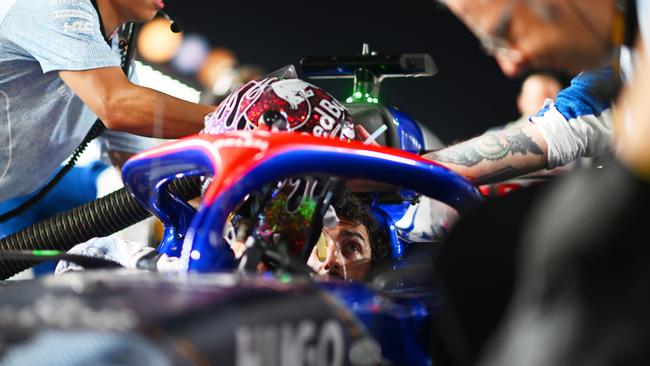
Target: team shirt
(42,121)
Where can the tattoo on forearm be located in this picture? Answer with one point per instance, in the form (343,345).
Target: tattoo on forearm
(491,146)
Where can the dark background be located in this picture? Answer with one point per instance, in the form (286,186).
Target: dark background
(468,95)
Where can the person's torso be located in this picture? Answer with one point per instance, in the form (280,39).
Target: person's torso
(42,121)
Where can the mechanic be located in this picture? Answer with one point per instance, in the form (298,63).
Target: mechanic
(572,35)
(569,35)
(581,298)
(59,70)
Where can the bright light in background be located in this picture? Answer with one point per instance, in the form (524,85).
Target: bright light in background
(191,53)
(157,43)
(226,82)
(154,79)
(218,62)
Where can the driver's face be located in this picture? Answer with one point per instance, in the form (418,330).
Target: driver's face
(348,252)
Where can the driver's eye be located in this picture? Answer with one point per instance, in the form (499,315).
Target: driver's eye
(351,249)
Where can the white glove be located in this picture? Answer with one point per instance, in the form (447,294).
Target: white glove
(129,254)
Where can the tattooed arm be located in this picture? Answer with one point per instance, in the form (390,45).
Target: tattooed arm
(496,155)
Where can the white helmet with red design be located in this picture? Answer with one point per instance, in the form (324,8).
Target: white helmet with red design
(281,100)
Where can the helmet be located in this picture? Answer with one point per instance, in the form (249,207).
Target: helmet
(281,101)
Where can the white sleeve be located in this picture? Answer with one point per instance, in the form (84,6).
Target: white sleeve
(579,122)
(583,136)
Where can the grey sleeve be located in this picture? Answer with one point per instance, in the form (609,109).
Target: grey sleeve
(59,35)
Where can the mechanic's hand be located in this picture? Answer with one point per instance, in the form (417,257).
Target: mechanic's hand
(129,254)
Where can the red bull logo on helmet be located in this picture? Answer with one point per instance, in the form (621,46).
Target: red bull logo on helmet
(305,107)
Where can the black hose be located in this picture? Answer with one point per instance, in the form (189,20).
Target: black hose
(101,217)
